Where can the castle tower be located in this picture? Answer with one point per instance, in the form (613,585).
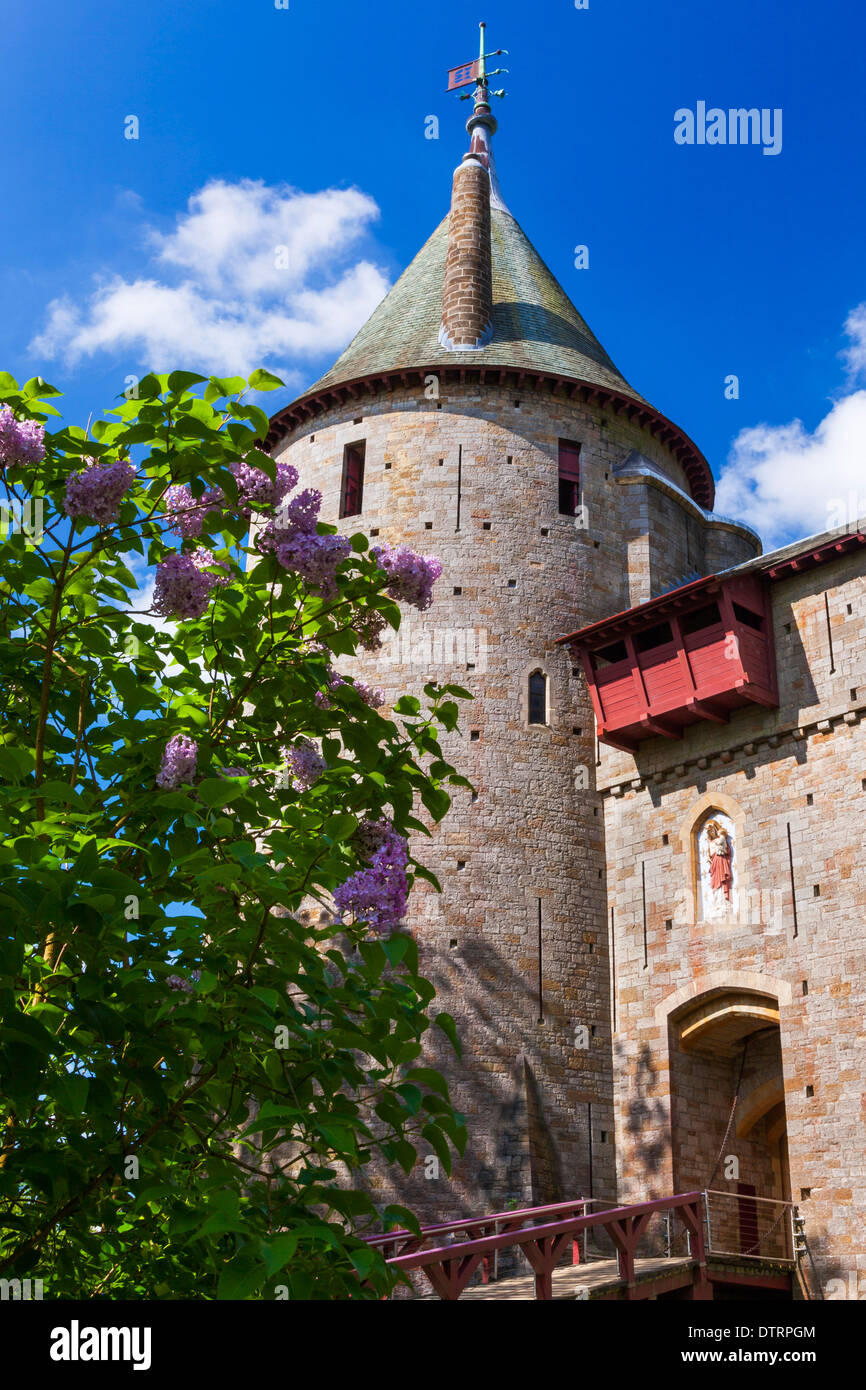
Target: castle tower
(476,417)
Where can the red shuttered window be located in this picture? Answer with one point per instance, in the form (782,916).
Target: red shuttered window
(569,477)
(352,492)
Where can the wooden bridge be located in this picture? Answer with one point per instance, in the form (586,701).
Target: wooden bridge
(657,1249)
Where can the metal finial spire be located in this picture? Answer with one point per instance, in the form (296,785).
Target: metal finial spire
(469,74)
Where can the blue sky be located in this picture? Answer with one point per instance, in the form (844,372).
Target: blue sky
(305,127)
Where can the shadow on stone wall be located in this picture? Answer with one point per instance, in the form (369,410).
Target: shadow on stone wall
(645,1116)
(544,1159)
(525,1106)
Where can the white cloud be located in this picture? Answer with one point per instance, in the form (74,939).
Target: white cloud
(250,274)
(855,327)
(786,481)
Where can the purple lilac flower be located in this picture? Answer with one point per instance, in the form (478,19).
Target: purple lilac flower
(411,577)
(298,517)
(302,513)
(203,559)
(182,589)
(333,680)
(186,513)
(21,441)
(96,493)
(305,764)
(178,762)
(178,983)
(291,535)
(255,488)
(371,695)
(315,558)
(379,894)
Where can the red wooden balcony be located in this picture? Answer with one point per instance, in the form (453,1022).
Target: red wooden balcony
(696,653)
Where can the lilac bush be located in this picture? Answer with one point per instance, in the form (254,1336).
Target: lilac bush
(292,518)
(148,766)
(333,680)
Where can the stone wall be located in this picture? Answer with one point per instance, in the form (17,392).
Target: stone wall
(670,539)
(798,771)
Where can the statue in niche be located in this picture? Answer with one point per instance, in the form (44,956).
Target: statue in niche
(716,864)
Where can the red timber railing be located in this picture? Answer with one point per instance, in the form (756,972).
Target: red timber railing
(449,1268)
(395,1243)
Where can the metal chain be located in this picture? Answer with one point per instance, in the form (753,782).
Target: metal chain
(733,1112)
(761,1239)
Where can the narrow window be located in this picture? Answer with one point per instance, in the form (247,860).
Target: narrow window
(569,477)
(352,493)
(538,698)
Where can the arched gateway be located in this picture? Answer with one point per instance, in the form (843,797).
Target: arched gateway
(728,1120)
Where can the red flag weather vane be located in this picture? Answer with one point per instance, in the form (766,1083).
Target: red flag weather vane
(475,74)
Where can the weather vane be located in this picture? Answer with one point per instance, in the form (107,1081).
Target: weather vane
(469,74)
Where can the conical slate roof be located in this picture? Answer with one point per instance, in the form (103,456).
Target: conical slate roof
(535,325)
(536,330)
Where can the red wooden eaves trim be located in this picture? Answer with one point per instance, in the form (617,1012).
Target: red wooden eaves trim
(697,470)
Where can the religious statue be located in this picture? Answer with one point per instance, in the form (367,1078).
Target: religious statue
(719,853)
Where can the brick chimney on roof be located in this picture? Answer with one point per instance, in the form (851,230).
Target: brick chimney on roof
(467,297)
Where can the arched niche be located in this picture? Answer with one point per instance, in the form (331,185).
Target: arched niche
(716,857)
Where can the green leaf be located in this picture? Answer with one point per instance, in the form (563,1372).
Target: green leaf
(241,1278)
(148,388)
(407,704)
(262,380)
(395,947)
(364,1260)
(37,387)
(218,791)
(428,1076)
(71,1091)
(181,381)
(396,1215)
(228,385)
(340,827)
(437,1141)
(449,1028)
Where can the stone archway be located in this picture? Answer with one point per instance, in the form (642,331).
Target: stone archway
(725,1043)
